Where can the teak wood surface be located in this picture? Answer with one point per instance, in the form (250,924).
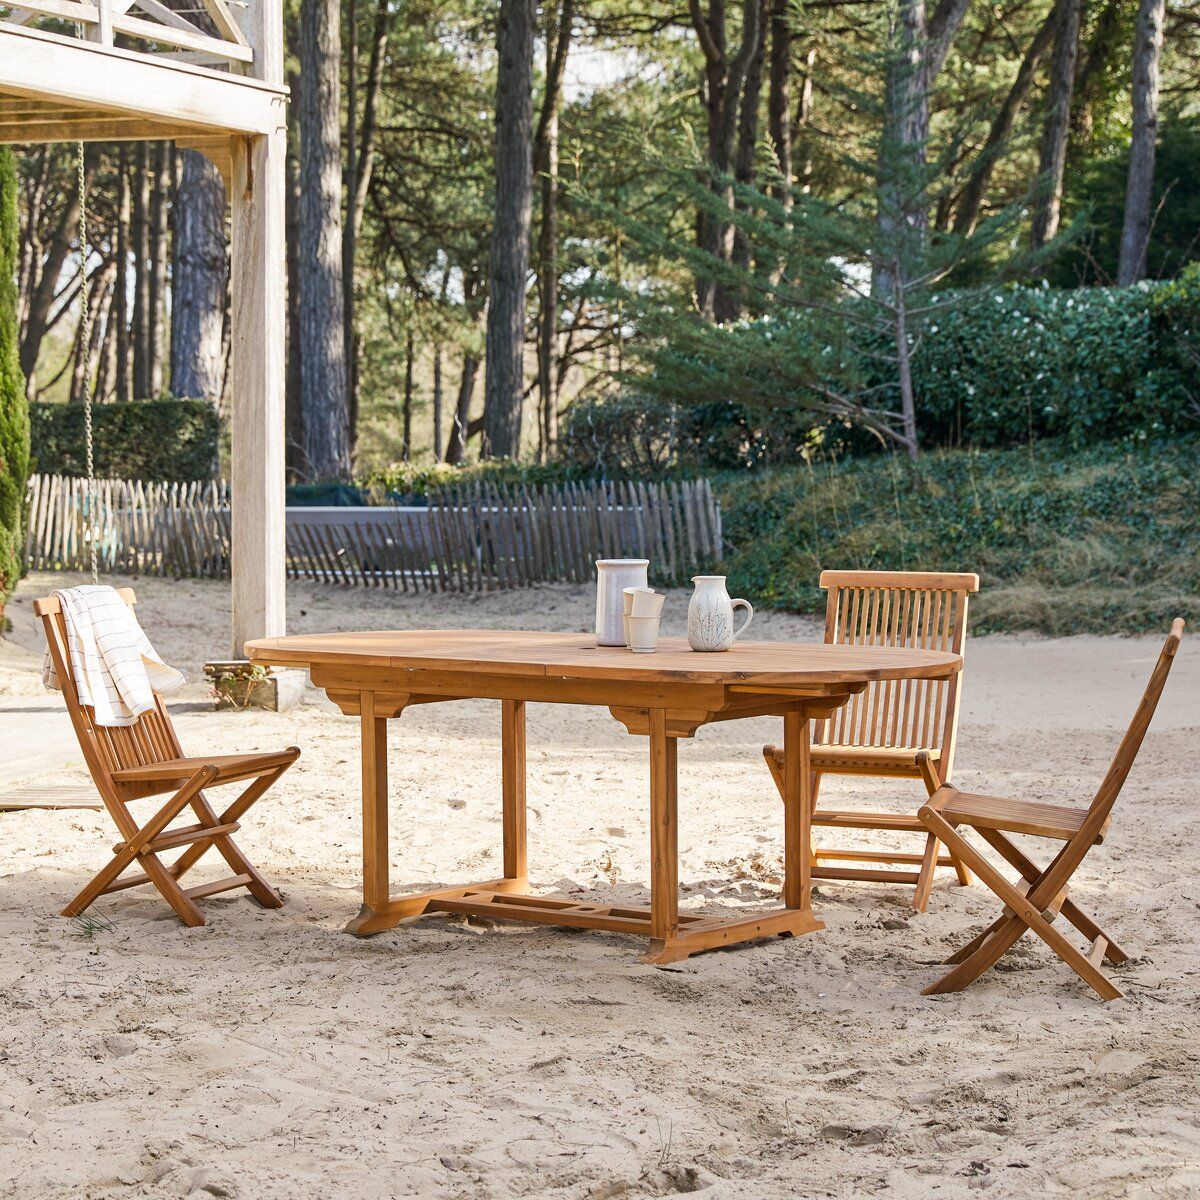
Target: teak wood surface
(131,762)
(664,696)
(883,731)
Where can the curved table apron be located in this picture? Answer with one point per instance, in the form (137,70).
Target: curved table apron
(663,696)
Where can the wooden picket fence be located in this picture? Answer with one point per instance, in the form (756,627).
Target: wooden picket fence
(176,529)
(470,537)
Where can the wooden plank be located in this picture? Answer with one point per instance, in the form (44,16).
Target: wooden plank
(257,379)
(53,67)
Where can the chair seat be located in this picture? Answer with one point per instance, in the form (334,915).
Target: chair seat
(1011,816)
(230,767)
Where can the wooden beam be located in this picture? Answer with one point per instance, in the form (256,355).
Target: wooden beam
(29,131)
(115,82)
(259,333)
(257,364)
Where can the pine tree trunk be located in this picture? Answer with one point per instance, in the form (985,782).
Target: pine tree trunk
(361,139)
(437,400)
(558,42)
(1135,231)
(199,279)
(779,102)
(724,79)
(966,215)
(456,448)
(160,207)
(409,354)
(744,164)
(46,274)
(908,407)
(142,268)
(509,266)
(322,328)
(903,217)
(124,378)
(293,412)
(1052,158)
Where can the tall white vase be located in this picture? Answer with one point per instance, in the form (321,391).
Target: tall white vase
(710,615)
(613,575)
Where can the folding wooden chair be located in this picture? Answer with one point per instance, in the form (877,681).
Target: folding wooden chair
(145,759)
(882,731)
(1041,895)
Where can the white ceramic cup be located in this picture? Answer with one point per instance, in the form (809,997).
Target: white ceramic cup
(647,603)
(643,634)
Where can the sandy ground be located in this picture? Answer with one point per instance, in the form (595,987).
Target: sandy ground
(270,1055)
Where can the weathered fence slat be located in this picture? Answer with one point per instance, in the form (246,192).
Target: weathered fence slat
(476,536)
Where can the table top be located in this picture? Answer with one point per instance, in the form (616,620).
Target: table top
(576,656)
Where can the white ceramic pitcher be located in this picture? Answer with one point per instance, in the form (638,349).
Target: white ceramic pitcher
(613,576)
(710,615)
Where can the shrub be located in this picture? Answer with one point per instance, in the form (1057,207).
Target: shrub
(150,439)
(1084,365)
(412,482)
(14,414)
(1005,367)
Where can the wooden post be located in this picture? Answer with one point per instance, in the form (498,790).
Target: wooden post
(376,884)
(664,832)
(258,351)
(797,814)
(513,727)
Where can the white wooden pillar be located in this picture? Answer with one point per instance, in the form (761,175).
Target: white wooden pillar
(257,353)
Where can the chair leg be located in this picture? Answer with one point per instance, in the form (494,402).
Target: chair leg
(994,946)
(933,780)
(925,874)
(239,864)
(159,875)
(1032,873)
(259,888)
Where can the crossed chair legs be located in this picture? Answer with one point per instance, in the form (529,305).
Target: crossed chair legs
(924,863)
(1032,905)
(144,845)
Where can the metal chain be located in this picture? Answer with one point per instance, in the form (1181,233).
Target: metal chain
(90,531)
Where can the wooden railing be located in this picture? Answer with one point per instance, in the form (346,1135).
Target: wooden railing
(473,537)
(204,33)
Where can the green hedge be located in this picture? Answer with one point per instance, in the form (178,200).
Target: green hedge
(1084,365)
(150,439)
(1106,540)
(14,419)
(996,368)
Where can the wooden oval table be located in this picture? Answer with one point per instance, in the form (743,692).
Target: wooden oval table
(663,696)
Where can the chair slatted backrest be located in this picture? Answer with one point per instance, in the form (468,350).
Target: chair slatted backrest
(1099,811)
(917,609)
(106,749)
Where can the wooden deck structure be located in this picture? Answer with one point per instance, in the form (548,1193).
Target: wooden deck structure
(212,82)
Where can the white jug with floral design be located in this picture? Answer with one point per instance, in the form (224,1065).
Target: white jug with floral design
(710,615)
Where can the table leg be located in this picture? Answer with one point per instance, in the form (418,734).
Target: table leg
(797,812)
(664,830)
(374,816)
(513,727)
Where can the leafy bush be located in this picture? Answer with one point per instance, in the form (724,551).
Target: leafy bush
(151,439)
(1106,540)
(14,416)
(1011,366)
(412,482)
(1084,365)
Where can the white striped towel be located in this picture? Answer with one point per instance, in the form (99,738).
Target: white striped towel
(116,670)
